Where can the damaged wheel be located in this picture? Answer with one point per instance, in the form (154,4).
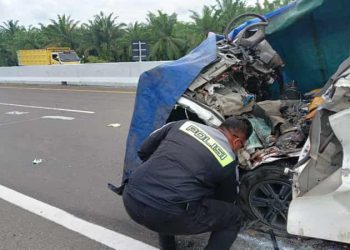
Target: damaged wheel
(265,194)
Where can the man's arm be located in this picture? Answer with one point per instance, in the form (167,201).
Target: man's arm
(153,141)
(227,190)
(228,187)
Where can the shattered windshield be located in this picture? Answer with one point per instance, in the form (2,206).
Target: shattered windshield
(70,56)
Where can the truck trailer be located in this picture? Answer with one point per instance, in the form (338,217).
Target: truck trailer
(48,56)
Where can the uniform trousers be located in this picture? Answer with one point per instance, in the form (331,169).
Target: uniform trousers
(223,219)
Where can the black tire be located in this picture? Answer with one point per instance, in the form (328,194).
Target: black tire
(265,195)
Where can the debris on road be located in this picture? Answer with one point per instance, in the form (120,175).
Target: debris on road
(37,161)
(59,118)
(114,125)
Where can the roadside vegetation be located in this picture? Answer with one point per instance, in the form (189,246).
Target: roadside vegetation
(106,38)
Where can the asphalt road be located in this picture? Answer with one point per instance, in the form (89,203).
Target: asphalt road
(79,157)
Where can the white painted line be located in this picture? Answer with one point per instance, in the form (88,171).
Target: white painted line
(39,107)
(16,113)
(100,234)
(57,117)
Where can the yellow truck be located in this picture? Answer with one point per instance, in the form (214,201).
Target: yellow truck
(48,56)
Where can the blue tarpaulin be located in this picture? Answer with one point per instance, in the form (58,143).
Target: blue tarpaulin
(157,92)
(307,35)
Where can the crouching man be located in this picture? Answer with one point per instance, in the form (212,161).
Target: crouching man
(187,182)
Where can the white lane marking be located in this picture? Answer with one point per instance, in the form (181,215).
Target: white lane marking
(16,113)
(57,117)
(100,234)
(39,107)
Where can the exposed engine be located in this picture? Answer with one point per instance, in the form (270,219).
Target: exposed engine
(238,82)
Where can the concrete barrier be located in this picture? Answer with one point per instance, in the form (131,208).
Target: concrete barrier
(124,74)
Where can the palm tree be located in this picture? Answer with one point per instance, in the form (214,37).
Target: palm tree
(136,31)
(228,9)
(7,51)
(133,32)
(189,33)
(62,32)
(11,27)
(8,31)
(268,6)
(30,38)
(166,46)
(104,31)
(206,22)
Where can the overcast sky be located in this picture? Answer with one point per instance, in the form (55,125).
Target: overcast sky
(32,12)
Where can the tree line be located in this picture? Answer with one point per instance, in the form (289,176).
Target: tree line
(105,38)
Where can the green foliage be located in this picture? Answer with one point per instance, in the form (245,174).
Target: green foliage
(7,56)
(188,32)
(11,27)
(31,38)
(94,59)
(165,44)
(268,6)
(105,39)
(8,33)
(207,22)
(228,9)
(62,32)
(103,32)
(133,32)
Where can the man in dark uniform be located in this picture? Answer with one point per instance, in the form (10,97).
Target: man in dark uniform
(187,182)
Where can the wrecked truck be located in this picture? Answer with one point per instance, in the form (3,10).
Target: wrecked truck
(236,83)
(240,73)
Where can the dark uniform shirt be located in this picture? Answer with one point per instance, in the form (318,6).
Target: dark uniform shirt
(183,161)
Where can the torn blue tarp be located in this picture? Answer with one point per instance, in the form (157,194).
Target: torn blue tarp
(157,92)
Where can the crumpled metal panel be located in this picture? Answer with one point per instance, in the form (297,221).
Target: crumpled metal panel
(327,216)
(214,71)
(228,104)
(344,81)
